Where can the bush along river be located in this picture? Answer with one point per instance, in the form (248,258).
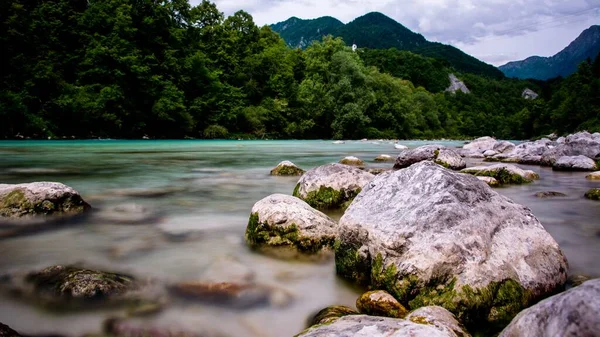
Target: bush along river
(307,238)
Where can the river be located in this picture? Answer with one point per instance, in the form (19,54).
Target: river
(199,195)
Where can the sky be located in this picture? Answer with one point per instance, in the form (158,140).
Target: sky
(495,31)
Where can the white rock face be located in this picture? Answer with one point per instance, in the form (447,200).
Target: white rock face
(351,160)
(436,153)
(489,180)
(526,153)
(39,198)
(581,143)
(339,142)
(346,180)
(440,318)
(457,85)
(500,171)
(277,215)
(384,157)
(529,94)
(375,326)
(575,163)
(573,313)
(490,153)
(426,225)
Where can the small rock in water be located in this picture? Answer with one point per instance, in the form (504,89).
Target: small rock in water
(339,142)
(353,161)
(380,303)
(287,168)
(127,214)
(400,147)
(330,314)
(491,181)
(504,173)
(593,176)
(384,157)
(549,194)
(228,269)
(40,198)
(593,194)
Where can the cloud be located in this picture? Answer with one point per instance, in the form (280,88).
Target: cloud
(463,23)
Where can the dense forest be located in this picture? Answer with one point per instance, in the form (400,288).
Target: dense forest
(128,69)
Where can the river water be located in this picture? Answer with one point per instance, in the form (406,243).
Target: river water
(199,195)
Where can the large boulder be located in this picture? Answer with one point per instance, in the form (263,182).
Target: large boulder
(39,198)
(331,186)
(525,153)
(374,326)
(481,144)
(575,313)
(430,236)
(503,173)
(282,224)
(287,168)
(436,153)
(574,163)
(581,143)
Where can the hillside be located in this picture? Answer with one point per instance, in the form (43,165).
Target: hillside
(377,31)
(586,45)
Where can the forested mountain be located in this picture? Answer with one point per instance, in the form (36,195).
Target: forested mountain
(587,45)
(128,69)
(377,31)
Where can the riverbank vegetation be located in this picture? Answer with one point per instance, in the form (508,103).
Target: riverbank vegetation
(129,69)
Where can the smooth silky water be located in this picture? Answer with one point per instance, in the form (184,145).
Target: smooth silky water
(206,189)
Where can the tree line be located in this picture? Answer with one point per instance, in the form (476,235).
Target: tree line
(165,69)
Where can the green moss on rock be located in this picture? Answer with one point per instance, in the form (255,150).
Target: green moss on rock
(330,314)
(328,198)
(380,303)
(262,235)
(287,171)
(16,204)
(593,194)
(350,264)
(503,176)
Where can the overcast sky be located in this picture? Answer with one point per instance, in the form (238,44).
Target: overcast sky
(495,31)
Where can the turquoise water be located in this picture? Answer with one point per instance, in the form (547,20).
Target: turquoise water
(197,197)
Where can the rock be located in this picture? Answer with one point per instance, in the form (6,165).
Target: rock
(549,194)
(384,157)
(282,221)
(439,317)
(467,153)
(481,144)
(581,143)
(330,314)
(574,163)
(228,269)
(400,147)
(529,94)
(571,313)
(456,85)
(436,153)
(331,186)
(117,327)
(6,331)
(503,146)
(430,236)
(577,280)
(287,168)
(490,153)
(339,142)
(525,153)
(380,303)
(157,192)
(377,170)
(593,176)
(127,214)
(593,194)
(237,295)
(39,198)
(503,173)
(373,326)
(353,161)
(491,181)
(561,140)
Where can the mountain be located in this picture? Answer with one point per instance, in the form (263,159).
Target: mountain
(586,45)
(378,31)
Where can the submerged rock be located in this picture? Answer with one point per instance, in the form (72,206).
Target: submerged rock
(331,313)
(384,158)
(575,163)
(436,153)
(287,168)
(439,317)
(503,173)
(352,161)
(331,186)
(237,295)
(572,313)
(127,214)
(430,236)
(282,221)
(593,194)
(593,176)
(228,269)
(549,194)
(39,198)
(6,331)
(373,326)
(117,327)
(380,303)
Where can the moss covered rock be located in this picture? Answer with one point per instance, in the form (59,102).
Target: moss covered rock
(282,225)
(39,198)
(593,194)
(549,194)
(331,186)
(504,173)
(353,161)
(431,236)
(438,154)
(330,314)
(287,168)
(384,158)
(380,303)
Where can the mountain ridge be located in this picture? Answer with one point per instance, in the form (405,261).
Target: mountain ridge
(563,63)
